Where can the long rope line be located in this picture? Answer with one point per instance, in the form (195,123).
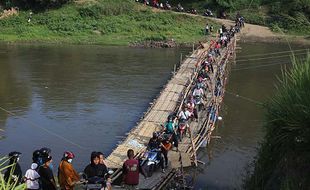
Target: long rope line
(265,65)
(263,58)
(274,53)
(243,97)
(44,129)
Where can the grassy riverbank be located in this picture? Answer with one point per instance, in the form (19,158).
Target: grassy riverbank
(283,159)
(112,22)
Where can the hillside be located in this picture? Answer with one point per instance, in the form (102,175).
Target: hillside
(110,22)
(291,16)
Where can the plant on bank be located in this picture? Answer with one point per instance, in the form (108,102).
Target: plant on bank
(283,159)
(5,185)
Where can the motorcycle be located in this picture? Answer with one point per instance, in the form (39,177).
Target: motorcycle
(96,183)
(182,129)
(198,102)
(208,13)
(150,161)
(167,6)
(180,8)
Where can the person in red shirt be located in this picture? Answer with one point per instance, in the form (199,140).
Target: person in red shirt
(131,169)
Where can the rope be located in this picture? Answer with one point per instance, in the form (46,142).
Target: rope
(279,52)
(262,58)
(266,65)
(46,130)
(245,98)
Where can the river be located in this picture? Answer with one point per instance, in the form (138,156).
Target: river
(85,98)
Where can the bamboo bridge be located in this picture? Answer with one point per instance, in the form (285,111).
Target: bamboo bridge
(170,100)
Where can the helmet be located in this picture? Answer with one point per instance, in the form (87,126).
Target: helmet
(69,155)
(14,154)
(155,134)
(36,155)
(45,151)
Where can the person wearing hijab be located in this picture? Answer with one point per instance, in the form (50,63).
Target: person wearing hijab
(32,177)
(13,173)
(67,175)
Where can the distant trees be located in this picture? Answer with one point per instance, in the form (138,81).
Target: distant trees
(33,4)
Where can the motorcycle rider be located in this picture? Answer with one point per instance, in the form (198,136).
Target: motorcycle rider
(96,172)
(67,176)
(13,174)
(155,144)
(169,128)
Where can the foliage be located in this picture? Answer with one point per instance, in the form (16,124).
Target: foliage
(96,23)
(33,4)
(4,185)
(292,16)
(283,160)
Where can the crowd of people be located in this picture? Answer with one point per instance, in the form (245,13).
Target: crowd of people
(40,175)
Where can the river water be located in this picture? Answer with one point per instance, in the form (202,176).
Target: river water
(85,98)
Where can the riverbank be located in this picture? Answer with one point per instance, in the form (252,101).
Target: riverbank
(257,33)
(101,22)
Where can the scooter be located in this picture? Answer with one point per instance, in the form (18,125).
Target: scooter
(182,128)
(96,183)
(198,102)
(167,6)
(150,161)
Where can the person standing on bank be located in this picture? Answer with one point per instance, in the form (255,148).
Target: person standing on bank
(47,177)
(67,176)
(13,174)
(32,177)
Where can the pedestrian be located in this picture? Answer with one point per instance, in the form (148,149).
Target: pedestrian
(32,177)
(13,173)
(47,177)
(207,29)
(67,175)
(131,169)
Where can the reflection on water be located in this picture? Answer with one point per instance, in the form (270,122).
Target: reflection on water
(241,128)
(86,94)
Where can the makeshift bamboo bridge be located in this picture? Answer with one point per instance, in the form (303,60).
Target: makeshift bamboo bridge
(170,100)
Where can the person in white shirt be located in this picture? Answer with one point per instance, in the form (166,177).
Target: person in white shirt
(32,178)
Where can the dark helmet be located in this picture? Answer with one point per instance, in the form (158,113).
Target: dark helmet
(155,134)
(36,155)
(14,154)
(45,151)
(68,155)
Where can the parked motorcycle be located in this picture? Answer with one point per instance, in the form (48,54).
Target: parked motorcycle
(96,183)
(151,161)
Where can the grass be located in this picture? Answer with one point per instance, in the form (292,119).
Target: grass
(283,159)
(112,22)
(4,185)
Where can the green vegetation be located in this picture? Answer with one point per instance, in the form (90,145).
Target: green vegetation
(283,159)
(114,22)
(291,16)
(4,185)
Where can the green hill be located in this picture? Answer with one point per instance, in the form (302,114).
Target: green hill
(114,22)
